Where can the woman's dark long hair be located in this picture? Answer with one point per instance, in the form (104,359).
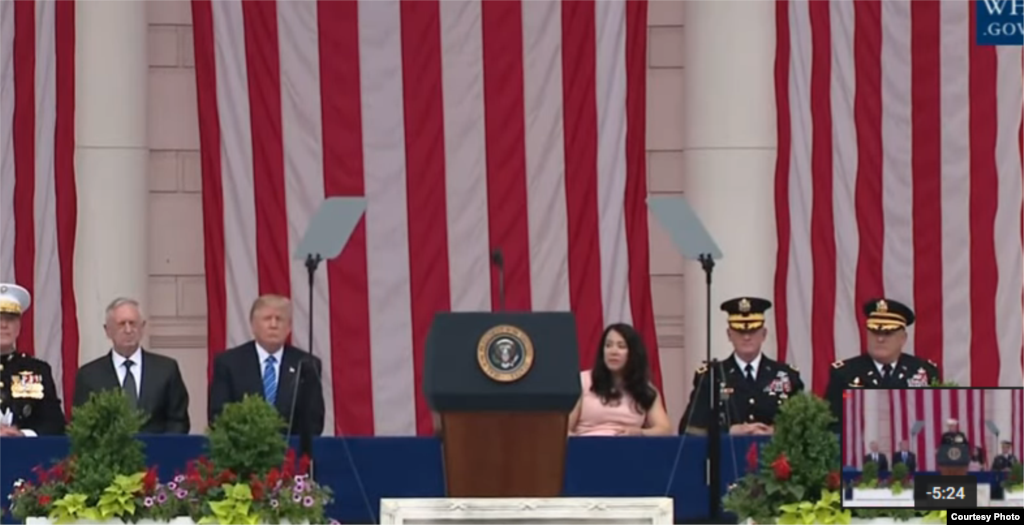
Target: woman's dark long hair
(636,374)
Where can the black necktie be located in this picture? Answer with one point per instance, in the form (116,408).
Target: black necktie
(130,390)
(750,372)
(886,373)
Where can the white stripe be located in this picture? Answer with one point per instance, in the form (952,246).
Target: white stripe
(7,175)
(545,155)
(387,235)
(859,422)
(978,421)
(462,66)
(844,189)
(1009,259)
(46,299)
(964,415)
(956,191)
(849,429)
(897,179)
(240,270)
(611,159)
(800,273)
(899,432)
(927,413)
(302,135)
(909,400)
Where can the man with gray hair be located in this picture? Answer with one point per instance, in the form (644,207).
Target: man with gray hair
(152,382)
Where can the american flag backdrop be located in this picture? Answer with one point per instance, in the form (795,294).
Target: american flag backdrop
(1017,420)
(852,432)
(38,203)
(934,407)
(468,126)
(898,175)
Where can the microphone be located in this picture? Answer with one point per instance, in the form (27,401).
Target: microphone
(306,435)
(499,261)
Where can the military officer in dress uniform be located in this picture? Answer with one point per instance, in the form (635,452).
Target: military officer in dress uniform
(752,385)
(29,405)
(1006,459)
(885,365)
(952,435)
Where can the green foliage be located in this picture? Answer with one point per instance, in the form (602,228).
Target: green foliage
(828,510)
(73,507)
(235,507)
(103,442)
(118,500)
(935,516)
(936,383)
(1014,482)
(868,476)
(247,438)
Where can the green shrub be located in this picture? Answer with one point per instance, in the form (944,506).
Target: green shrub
(104,443)
(247,438)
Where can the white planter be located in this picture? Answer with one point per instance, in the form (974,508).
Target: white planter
(884,521)
(1014,499)
(881,498)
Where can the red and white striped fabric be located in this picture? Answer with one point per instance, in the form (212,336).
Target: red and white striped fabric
(934,407)
(854,446)
(37,176)
(468,126)
(898,175)
(1017,420)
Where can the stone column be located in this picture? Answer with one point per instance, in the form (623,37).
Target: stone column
(1002,415)
(729,159)
(111,158)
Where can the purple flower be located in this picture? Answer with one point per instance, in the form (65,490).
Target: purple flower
(308,501)
(274,503)
(172,485)
(161,497)
(335,522)
(181,494)
(299,479)
(296,497)
(179,478)
(148,502)
(299,486)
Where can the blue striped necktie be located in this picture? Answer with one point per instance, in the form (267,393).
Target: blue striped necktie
(270,380)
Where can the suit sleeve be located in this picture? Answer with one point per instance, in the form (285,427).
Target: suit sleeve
(82,389)
(177,403)
(220,389)
(50,420)
(314,399)
(798,384)
(695,419)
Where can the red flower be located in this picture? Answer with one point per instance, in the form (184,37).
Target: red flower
(273,477)
(226,476)
(833,481)
(149,480)
(44,500)
(752,457)
(781,468)
(288,467)
(257,488)
(42,475)
(304,464)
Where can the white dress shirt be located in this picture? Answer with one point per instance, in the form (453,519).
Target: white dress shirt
(743,364)
(121,370)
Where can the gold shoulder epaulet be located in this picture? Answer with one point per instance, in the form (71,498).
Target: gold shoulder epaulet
(838,364)
(794,368)
(933,363)
(702,370)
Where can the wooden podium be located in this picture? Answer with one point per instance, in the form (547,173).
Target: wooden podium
(504,385)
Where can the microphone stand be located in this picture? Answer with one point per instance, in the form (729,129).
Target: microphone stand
(305,436)
(498,260)
(714,462)
(312,261)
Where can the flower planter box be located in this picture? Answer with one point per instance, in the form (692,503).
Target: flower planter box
(1014,498)
(174,521)
(881,498)
(874,521)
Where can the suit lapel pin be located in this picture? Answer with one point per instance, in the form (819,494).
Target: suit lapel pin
(291,370)
(901,375)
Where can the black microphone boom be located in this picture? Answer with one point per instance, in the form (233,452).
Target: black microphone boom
(499,261)
(305,435)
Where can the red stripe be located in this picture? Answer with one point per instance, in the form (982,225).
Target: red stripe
(505,126)
(641,303)
(213,193)
(782,175)
(264,72)
(867,114)
(579,92)
(338,31)
(926,155)
(24,137)
(424,152)
(984,193)
(65,191)
(823,244)
(934,429)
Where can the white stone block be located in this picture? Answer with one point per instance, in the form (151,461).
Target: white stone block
(606,511)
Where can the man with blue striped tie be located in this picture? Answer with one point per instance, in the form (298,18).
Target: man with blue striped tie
(287,377)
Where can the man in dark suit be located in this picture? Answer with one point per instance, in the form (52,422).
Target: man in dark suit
(906,457)
(1006,459)
(877,457)
(152,382)
(755,386)
(29,404)
(885,365)
(288,378)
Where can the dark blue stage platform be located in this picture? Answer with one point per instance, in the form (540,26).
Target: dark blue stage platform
(411,468)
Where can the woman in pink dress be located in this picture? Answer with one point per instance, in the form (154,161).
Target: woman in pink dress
(618,396)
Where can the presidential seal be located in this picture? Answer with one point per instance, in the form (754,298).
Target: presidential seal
(505,353)
(953,453)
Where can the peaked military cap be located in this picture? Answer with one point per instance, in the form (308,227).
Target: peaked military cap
(746,313)
(14,300)
(887,315)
